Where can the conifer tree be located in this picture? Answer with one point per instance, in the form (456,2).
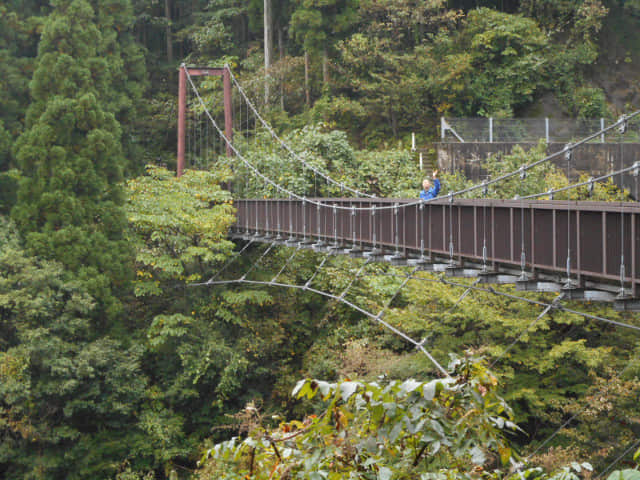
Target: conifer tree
(69,201)
(18,41)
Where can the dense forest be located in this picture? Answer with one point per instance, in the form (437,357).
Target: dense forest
(113,366)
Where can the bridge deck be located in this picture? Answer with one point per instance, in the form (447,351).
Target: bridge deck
(598,233)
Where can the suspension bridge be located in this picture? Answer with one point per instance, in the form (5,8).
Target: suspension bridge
(581,250)
(585,250)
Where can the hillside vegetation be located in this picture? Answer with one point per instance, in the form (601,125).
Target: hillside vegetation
(114,366)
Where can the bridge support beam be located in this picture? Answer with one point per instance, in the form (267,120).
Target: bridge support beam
(627,305)
(459,271)
(545,226)
(537,286)
(496,278)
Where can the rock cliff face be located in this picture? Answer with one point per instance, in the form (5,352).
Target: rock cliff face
(617,70)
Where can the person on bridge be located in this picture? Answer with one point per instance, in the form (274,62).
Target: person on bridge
(430,190)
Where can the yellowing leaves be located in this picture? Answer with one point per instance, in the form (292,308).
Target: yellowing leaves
(179,224)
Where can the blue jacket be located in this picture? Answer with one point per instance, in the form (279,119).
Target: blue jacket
(432,192)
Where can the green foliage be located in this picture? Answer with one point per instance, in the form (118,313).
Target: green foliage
(69,201)
(556,366)
(9,181)
(20,28)
(627,474)
(314,23)
(536,180)
(579,18)
(95,383)
(541,178)
(389,67)
(493,65)
(632,6)
(326,150)
(67,399)
(390,173)
(180,225)
(586,102)
(5,148)
(559,364)
(379,430)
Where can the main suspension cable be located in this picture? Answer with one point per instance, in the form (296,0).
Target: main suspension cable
(286,146)
(405,205)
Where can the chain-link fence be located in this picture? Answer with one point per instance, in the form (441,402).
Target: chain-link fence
(516,130)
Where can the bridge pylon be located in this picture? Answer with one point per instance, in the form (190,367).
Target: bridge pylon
(182,106)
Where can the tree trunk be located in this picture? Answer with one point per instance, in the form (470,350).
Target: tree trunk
(242,35)
(306,78)
(167,14)
(325,68)
(281,51)
(267,47)
(394,122)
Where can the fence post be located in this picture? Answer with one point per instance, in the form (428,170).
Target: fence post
(602,128)
(490,129)
(442,128)
(546,129)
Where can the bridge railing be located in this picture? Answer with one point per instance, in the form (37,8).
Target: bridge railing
(601,238)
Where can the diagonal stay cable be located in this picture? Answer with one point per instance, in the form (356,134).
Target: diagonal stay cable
(547,309)
(255,264)
(342,296)
(463,296)
(373,316)
(295,252)
(548,306)
(612,464)
(408,277)
(355,277)
(231,260)
(570,419)
(318,268)
(419,345)
(545,304)
(524,299)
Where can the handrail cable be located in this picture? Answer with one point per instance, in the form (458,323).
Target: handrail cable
(484,184)
(266,125)
(590,181)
